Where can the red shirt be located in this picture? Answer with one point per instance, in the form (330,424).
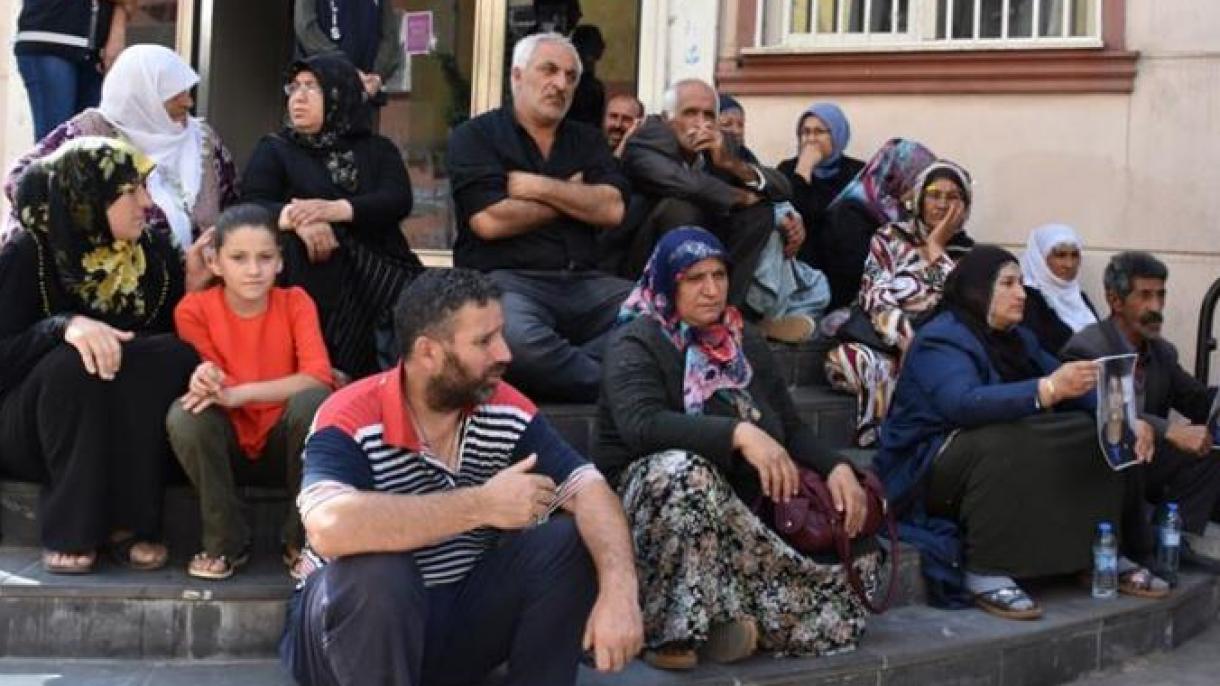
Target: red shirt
(285,339)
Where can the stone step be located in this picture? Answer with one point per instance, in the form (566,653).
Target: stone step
(911,646)
(166,614)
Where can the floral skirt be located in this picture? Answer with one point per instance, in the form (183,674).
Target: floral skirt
(704,558)
(871,375)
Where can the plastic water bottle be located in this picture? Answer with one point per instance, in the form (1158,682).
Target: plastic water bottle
(1169,543)
(1105,562)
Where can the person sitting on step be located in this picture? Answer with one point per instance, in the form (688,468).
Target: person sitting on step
(437,503)
(694,425)
(249,404)
(1187,468)
(88,363)
(985,423)
(904,276)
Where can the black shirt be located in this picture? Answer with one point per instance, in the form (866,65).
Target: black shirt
(482,152)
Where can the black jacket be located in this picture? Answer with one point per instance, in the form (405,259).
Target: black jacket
(279,171)
(1166,385)
(640,411)
(73,29)
(811,198)
(1052,333)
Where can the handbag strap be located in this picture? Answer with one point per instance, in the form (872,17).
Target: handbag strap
(843,546)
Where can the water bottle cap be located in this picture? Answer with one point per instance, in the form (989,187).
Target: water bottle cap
(1104,527)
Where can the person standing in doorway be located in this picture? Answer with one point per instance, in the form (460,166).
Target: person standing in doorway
(366,31)
(63,48)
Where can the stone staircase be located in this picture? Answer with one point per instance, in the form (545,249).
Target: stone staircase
(117,626)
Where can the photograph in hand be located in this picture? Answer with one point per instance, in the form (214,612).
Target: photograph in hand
(1116,410)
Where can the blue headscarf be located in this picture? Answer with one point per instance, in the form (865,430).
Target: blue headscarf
(840,133)
(715,360)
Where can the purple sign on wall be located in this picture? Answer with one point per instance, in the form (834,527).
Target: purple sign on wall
(417,33)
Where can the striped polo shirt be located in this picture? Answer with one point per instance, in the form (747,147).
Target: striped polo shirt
(364,440)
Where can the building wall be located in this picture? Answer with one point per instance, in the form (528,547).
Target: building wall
(1128,171)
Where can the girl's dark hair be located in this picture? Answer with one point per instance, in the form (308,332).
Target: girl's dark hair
(242,216)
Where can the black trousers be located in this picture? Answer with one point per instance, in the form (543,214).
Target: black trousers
(1173,476)
(98,447)
(744,233)
(369,619)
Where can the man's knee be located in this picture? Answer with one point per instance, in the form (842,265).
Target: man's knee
(670,213)
(376,587)
(556,547)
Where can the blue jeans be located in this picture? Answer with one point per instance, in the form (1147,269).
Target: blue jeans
(368,619)
(58,88)
(556,325)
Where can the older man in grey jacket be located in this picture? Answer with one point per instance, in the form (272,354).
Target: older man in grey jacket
(685,171)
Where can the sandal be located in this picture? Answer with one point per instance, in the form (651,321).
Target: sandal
(202,565)
(121,548)
(61,567)
(730,641)
(1009,603)
(672,656)
(1142,583)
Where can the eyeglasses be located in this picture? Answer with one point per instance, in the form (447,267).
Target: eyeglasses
(937,196)
(290,89)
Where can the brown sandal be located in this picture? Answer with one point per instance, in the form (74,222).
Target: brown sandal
(1142,583)
(678,656)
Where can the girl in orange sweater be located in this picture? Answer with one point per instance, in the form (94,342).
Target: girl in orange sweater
(250,403)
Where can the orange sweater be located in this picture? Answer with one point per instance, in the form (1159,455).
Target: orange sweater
(285,339)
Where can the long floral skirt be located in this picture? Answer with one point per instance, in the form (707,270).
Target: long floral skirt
(871,375)
(704,558)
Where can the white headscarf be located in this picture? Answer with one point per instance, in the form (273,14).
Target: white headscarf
(133,100)
(1064,297)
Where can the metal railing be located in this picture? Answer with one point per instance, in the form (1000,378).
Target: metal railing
(1205,341)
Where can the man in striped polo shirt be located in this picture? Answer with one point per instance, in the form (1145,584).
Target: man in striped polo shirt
(427,498)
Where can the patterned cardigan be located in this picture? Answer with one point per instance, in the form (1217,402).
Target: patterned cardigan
(217,191)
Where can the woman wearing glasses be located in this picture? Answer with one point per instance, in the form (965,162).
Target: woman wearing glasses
(904,276)
(340,192)
(820,170)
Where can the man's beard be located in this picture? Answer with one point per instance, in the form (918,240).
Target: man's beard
(456,388)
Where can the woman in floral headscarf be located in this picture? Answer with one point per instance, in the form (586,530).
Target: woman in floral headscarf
(876,197)
(88,366)
(340,192)
(904,276)
(695,423)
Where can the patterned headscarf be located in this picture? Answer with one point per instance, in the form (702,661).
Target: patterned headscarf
(346,114)
(62,200)
(715,360)
(840,133)
(886,178)
(916,228)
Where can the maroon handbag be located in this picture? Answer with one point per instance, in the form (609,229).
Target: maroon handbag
(810,523)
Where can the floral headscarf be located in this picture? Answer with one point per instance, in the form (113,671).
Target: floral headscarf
(345,115)
(886,178)
(715,360)
(62,201)
(916,228)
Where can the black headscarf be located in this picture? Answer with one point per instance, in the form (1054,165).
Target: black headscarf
(968,294)
(61,200)
(346,115)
